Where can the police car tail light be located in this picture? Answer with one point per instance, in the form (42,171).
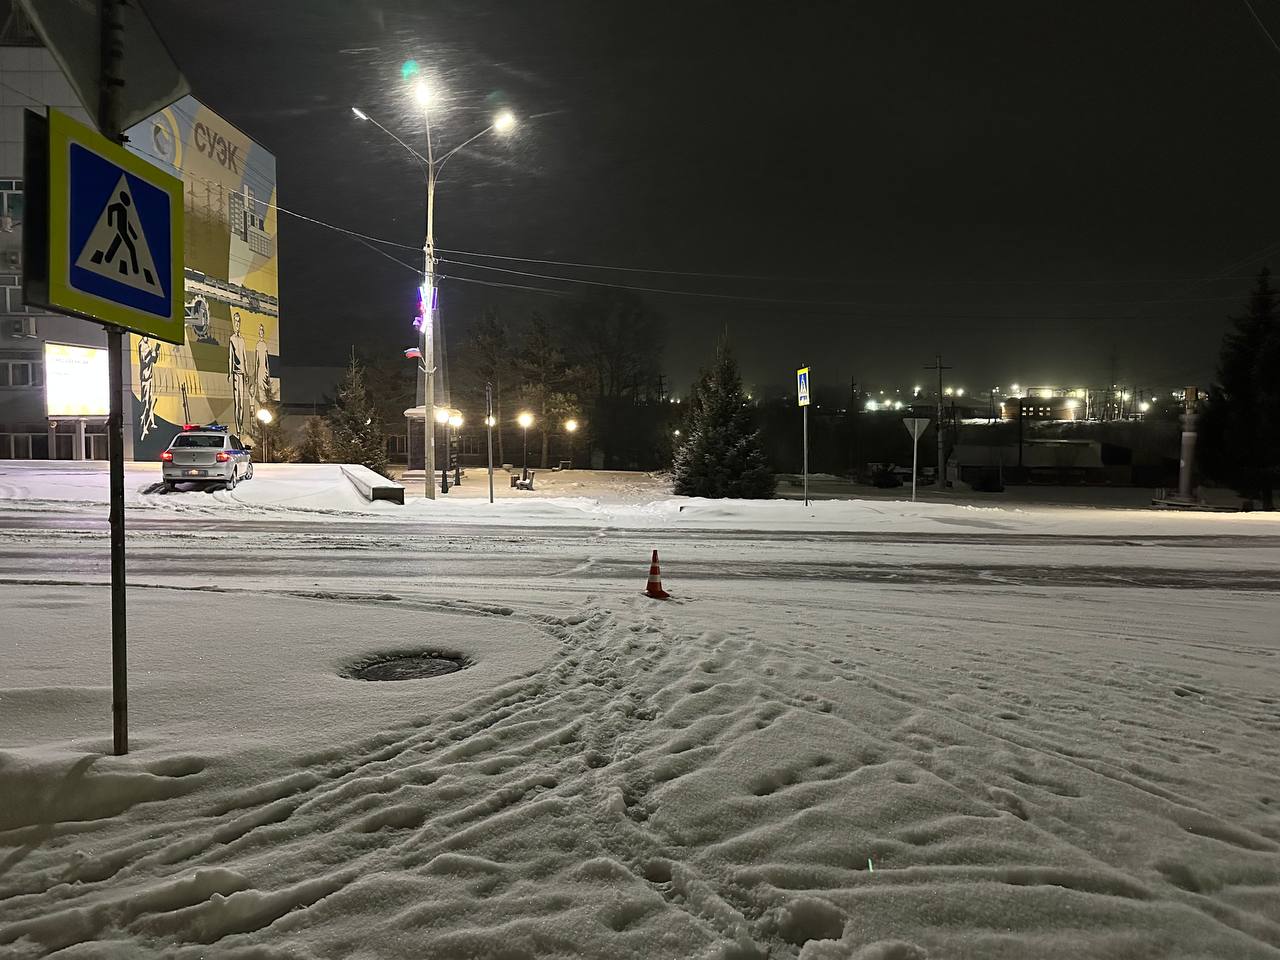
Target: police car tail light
(167,456)
(223,456)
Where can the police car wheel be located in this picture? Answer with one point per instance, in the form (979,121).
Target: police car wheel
(231,480)
(248,475)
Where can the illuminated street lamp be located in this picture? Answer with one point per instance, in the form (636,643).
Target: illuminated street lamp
(525,419)
(431,166)
(571,428)
(264,418)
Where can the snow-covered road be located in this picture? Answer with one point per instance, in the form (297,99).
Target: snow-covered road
(1035,737)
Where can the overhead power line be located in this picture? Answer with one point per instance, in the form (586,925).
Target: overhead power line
(1262,26)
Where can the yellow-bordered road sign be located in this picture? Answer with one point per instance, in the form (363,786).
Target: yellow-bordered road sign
(115,234)
(802,386)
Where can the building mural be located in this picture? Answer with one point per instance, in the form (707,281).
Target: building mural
(229,365)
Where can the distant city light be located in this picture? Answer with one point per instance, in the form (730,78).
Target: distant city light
(897,404)
(1144,406)
(959,391)
(950,391)
(1014,390)
(872,405)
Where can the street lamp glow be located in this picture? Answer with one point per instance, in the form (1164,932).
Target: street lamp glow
(950,391)
(959,391)
(264,416)
(915,391)
(360,114)
(490,421)
(455,421)
(442,416)
(571,425)
(525,419)
(872,405)
(1144,406)
(422,93)
(504,121)
(675,433)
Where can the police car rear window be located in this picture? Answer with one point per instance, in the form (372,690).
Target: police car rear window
(199,440)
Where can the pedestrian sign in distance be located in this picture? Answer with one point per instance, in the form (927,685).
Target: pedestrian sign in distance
(802,386)
(114,233)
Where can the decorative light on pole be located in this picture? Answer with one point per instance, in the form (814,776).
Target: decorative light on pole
(264,418)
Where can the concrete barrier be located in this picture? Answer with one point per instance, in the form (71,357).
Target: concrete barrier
(372,486)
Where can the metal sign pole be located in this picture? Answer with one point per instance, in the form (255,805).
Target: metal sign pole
(119,645)
(806,454)
(915,459)
(112,64)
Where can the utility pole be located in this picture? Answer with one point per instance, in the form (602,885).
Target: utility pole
(937,365)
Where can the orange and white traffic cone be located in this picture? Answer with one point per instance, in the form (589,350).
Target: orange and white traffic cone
(654,587)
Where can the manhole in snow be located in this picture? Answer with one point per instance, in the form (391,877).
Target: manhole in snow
(407,666)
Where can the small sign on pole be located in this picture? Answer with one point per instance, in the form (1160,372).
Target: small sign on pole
(916,426)
(802,398)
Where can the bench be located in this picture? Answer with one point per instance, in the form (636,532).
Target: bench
(370,485)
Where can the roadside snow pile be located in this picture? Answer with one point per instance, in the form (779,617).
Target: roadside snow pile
(601,499)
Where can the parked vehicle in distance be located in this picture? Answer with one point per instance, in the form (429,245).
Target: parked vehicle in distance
(205,455)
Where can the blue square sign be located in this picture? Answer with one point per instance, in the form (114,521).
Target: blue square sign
(115,234)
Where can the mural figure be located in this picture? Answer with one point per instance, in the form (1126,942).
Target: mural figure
(237,371)
(148,354)
(196,314)
(262,368)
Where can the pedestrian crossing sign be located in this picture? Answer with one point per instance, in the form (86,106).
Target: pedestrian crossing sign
(115,234)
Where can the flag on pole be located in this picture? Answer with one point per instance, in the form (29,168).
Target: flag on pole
(413,353)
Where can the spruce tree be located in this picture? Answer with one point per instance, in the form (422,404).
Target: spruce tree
(721,455)
(354,426)
(1240,424)
(315,444)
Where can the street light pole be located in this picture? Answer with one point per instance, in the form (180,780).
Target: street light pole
(526,421)
(432,167)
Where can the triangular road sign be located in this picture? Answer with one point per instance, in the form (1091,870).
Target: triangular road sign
(915,426)
(117,248)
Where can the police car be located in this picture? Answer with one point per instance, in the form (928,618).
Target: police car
(205,455)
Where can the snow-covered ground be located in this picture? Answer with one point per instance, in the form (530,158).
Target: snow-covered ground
(862,730)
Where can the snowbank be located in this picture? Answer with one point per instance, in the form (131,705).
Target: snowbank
(612,500)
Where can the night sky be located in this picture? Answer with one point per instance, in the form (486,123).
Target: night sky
(1044,193)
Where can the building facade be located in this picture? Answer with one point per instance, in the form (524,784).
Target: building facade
(53,403)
